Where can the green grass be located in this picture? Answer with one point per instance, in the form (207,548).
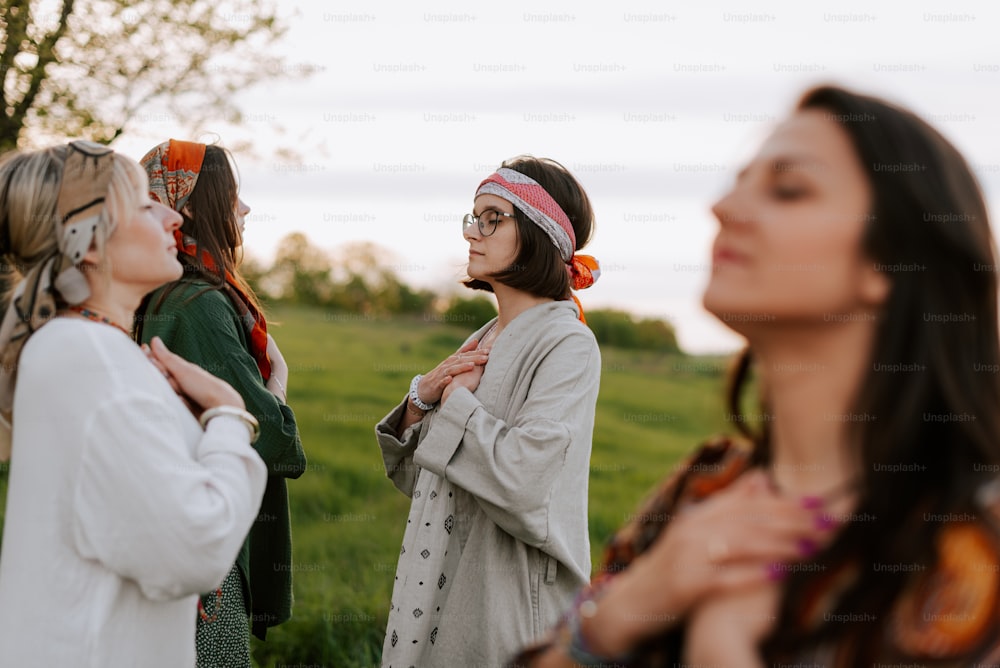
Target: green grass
(346,372)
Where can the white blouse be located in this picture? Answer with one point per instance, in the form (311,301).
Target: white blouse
(120,508)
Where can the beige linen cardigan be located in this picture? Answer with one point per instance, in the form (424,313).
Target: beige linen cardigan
(517,453)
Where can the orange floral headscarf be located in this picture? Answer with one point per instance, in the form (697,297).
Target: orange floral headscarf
(173,169)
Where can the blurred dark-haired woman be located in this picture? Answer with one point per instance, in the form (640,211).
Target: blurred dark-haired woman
(860,524)
(493,444)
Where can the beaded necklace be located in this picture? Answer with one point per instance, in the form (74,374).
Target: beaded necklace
(836,493)
(97,317)
(217,608)
(487,334)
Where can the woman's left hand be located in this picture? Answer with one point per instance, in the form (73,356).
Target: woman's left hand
(467,379)
(279,368)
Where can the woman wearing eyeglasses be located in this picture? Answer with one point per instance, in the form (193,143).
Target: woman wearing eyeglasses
(493,444)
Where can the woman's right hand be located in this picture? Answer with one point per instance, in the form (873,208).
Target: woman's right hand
(466,358)
(198,387)
(738,538)
(277,384)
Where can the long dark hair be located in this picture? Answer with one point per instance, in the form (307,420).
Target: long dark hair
(210,218)
(928,410)
(538,268)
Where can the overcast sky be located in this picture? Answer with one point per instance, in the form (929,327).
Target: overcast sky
(652,105)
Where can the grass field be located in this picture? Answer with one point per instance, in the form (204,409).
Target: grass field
(346,372)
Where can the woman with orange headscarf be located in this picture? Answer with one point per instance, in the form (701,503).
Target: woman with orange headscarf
(212,318)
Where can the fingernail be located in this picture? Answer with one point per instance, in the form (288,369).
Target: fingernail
(811,502)
(825,521)
(807,547)
(776,571)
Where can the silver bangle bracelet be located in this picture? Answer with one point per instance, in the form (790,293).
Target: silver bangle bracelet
(415,398)
(247,418)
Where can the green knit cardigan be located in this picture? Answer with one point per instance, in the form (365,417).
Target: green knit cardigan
(199,323)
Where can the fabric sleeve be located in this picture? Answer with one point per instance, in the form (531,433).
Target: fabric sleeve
(202,326)
(397,451)
(510,467)
(149,511)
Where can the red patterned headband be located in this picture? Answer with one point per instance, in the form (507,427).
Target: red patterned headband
(537,204)
(532,199)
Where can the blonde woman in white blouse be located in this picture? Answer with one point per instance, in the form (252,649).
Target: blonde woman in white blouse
(121,507)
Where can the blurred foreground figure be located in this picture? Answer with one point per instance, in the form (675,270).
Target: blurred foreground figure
(855,521)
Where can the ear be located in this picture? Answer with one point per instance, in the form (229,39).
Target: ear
(874,286)
(91,257)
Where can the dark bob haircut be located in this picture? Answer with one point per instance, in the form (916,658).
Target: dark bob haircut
(538,268)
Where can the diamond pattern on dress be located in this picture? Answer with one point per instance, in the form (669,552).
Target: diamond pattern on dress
(425,553)
(417,612)
(449,523)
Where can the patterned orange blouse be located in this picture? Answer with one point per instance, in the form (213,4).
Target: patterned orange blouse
(948,616)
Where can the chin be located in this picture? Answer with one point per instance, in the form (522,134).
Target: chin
(176,272)
(736,315)
(717,304)
(474,273)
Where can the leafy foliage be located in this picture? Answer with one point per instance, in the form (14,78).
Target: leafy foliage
(87,68)
(358,282)
(623,330)
(469,312)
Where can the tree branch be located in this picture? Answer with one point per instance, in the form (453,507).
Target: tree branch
(46,55)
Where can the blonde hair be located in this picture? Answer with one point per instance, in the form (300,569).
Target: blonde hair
(29,190)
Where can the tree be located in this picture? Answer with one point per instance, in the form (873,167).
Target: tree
(87,68)
(622,330)
(469,312)
(300,273)
(365,281)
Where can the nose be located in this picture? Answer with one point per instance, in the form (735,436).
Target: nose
(171,219)
(470,231)
(242,208)
(730,208)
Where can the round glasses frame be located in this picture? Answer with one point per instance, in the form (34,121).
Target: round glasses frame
(487,221)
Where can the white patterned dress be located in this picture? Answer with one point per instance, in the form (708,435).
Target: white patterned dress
(427,559)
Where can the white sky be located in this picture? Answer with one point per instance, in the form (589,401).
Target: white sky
(652,105)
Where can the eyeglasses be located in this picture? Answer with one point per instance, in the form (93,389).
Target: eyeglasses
(487,221)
